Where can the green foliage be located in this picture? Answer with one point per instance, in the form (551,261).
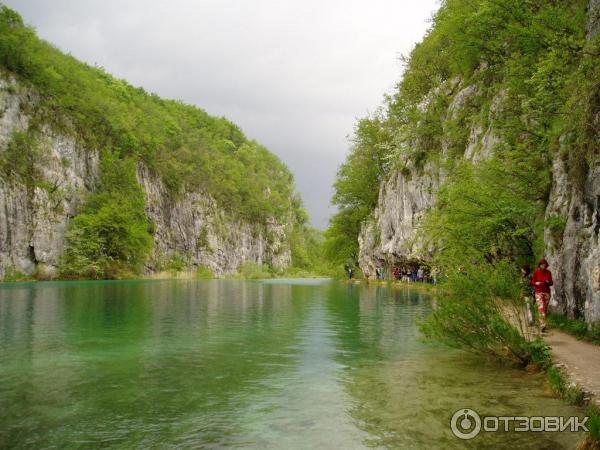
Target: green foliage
(187,148)
(111,237)
(593,412)
(307,253)
(12,276)
(490,211)
(577,327)
(356,190)
(483,312)
(204,273)
(570,392)
(176,263)
(254,271)
(22,158)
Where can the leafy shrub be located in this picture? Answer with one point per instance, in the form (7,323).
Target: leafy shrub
(482,311)
(177,263)
(593,424)
(11,276)
(254,271)
(540,352)
(111,237)
(22,158)
(204,273)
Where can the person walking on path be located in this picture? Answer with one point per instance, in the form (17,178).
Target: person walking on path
(349,270)
(528,292)
(541,282)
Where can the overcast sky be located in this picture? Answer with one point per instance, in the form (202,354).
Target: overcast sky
(294,75)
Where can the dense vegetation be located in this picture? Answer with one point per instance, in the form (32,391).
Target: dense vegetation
(356,190)
(535,79)
(523,69)
(112,234)
(187,148)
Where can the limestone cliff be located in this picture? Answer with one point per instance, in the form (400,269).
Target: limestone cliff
(392,237)
(574,248)
(34,216)
(572,228)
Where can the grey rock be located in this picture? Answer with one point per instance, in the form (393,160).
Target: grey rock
(34,220)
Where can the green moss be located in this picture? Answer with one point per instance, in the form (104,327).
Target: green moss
(12,275)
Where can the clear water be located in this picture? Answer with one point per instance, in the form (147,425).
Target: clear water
(274,364)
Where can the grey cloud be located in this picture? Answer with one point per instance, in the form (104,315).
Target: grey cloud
(294,75)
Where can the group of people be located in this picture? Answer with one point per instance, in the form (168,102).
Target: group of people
(407,274)
(537,291)
(536,285)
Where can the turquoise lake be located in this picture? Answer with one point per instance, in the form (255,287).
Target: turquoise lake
(245,364)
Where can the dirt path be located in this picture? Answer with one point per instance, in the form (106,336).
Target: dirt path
(581,360)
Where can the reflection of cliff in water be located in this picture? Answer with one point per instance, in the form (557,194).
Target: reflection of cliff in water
(140,353)
(404,391)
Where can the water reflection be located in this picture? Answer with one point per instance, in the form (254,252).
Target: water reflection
(404,391)
(273,364)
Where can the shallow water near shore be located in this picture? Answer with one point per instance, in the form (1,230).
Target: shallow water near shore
(258,364)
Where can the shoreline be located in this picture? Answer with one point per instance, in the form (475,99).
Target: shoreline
(166,275)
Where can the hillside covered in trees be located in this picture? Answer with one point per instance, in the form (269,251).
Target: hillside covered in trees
(486,154)
(121,179)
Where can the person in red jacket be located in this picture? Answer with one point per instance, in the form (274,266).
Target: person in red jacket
(541,282)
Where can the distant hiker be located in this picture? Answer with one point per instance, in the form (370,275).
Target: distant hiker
(405,275)
(349,270)
(396,273)
(420,274)
(541,282)
(413,275)
(434,273)
(528,292)
(379,272)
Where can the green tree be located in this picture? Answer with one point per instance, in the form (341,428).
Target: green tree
(356,189)
(111,237)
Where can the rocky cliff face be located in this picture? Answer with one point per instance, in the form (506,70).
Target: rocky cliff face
(574,251)
(391,237)
(34,216)
(571,236)
(573,248)
(195,227)
(404,198)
